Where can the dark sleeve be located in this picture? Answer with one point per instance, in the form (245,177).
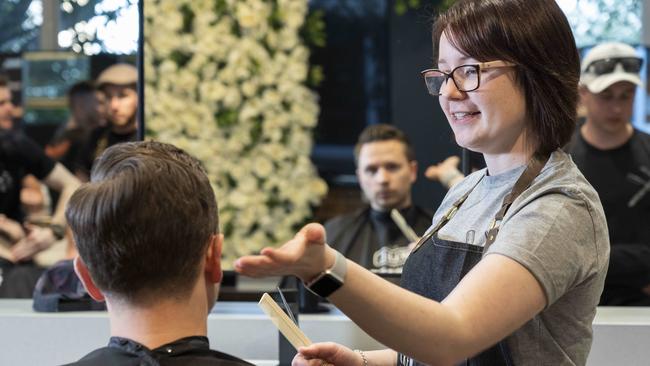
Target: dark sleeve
(32,157)
(629,265)
(332,230)
(335,229)
(86,156)
(343,231)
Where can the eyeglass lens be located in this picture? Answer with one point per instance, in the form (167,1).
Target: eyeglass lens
(629,64)
(465,77)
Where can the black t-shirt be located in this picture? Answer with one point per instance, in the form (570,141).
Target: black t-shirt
(19,156)
(100,139)
(185,351)
(75,138)
(621,176)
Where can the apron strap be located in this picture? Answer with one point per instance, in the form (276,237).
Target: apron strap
(534,167)
(445,219)
(532,171)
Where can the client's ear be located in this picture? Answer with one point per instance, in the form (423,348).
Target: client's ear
(82,272)
(213,259)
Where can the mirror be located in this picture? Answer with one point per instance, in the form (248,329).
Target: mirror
(48,46)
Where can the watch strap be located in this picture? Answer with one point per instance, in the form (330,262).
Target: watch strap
(340,266)
(330,280)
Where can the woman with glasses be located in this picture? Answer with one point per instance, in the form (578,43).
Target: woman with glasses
(513,266)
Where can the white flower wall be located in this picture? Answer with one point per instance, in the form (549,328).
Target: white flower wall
(226,81)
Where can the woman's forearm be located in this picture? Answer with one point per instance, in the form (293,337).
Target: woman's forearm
(478,313)
(384,357)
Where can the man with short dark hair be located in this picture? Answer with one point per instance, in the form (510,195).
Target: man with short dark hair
(615,159)
(87,112)
(386,170)
(118,83)
(146,228)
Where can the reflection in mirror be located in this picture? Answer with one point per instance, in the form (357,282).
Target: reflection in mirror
(67,91)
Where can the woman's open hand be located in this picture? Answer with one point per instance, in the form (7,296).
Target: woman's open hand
(305,256)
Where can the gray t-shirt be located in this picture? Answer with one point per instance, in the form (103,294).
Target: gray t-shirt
(557,230)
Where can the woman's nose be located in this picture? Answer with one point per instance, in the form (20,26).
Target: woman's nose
(449,90)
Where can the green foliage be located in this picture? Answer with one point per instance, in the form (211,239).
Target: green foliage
(180,58)
(220,7)
(402,6)
(446,4)
(314,36)
(316,76)
(313,32)
(226,118)
(275,19)
(188,18)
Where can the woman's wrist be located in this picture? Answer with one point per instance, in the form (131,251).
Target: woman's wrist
(364,359)
(329,258)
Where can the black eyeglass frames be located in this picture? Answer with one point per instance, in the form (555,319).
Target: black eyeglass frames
(467,78)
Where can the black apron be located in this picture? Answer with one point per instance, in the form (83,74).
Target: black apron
(436,266)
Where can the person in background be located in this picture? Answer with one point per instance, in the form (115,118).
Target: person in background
(512,270)
(87,108)
(615,158)
(146,226)
(23,239)
(386,170)
(118,83)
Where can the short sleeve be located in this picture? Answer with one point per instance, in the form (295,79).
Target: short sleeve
(554,237)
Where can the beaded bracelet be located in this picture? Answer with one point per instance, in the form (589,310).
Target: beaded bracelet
(363,356)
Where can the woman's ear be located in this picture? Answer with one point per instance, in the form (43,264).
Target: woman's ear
(82,272)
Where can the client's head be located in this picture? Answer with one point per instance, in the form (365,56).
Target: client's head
(146,226)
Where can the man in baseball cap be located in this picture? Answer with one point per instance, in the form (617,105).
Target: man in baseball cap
(615,159)
(609,63)
(118,83)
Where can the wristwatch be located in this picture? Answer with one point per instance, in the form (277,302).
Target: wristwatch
(331,279)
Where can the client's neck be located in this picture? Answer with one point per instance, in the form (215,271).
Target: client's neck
(159,322)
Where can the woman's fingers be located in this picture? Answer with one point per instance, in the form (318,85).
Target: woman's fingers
(291,258)
(330,353)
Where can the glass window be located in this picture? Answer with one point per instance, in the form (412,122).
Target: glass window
(597,21)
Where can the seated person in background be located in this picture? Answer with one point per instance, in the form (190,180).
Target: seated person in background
(146,228)
(118,83)
(87,108)
(386,169)
(20,156)
(615,159)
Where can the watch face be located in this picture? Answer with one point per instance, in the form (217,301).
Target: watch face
(325,285)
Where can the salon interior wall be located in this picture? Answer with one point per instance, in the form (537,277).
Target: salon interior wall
(412,109)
